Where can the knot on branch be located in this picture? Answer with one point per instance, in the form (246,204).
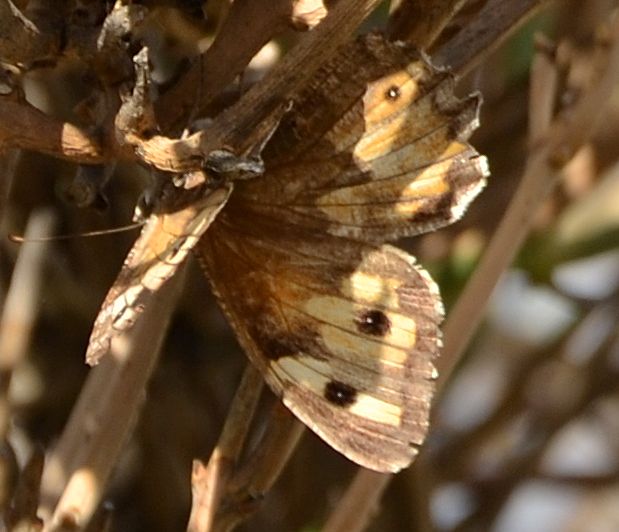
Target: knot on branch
(136,118)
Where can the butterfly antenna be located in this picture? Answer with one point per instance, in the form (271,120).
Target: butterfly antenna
(22,240)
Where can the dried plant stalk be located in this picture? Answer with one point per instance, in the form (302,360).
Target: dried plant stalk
(262,469)
(24,126)
(360,502)
(420,22)
(20,308)
(485,33)
(16,325)
(77,470)
(22,514)
(563,138)
(209,482)
(225,58)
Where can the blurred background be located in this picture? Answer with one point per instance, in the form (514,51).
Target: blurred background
(525,437)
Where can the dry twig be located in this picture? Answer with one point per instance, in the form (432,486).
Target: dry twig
(225,59)
(20,309)
(420,22)
(263,467)
(78,468)
(209,482)
(22,515)
(563,138)
(485,33)
(29,36)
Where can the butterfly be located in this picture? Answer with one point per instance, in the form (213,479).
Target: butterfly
(343,327)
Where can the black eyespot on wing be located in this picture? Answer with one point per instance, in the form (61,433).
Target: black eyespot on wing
(373,322)
(340,394)
(392,93)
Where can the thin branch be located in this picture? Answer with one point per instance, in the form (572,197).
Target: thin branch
(420,22)
(248,487)
(420,483)
(543,91)
(208,483)
(231,51)
(9,475)
(135,117)
(23,512)
(9,161)
(112,60)
(564,137)
(360,502)
(77,470)
(494,23)
(30,36)
(18,318)
(248,26)
(20,308)
(24,126)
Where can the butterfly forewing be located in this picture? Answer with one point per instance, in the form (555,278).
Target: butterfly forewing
(165,241)
(393,160)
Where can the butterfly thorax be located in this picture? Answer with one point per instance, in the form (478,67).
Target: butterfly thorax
(171,194)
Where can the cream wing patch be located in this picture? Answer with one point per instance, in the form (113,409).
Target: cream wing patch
(313,374)
(341,328)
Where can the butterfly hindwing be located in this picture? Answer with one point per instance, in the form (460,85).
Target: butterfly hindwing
(344,333)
